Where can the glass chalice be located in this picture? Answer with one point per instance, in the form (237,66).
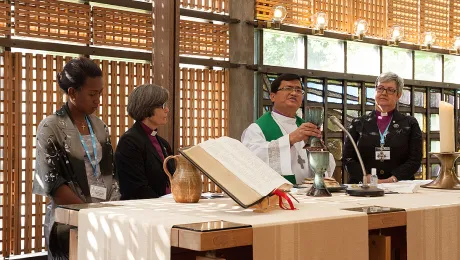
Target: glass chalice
(318,161)
(314,115)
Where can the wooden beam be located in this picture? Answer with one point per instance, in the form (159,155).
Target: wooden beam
(241,91)
(166,62)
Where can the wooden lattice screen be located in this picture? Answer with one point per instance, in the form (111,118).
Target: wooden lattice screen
(216,6)
(29,93)
(5,19)
(405,13)
(374,12)
(203,39)
(298,11)
(120,78)
(454,19)
(51,19)
(434,17)
(338,12)
(203,109)
(122,28)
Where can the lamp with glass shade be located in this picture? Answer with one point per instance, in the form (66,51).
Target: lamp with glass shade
(456,46)
(395,35)
(319,21)
(360,28)
(427,41)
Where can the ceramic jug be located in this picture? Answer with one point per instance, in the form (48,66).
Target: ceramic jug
(186,183)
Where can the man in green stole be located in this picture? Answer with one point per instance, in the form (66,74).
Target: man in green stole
(278,137)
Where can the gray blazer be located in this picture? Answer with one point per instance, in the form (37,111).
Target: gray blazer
(60,160)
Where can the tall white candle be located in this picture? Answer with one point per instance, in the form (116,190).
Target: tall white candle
(446,127)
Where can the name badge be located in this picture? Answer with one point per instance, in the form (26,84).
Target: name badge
(382,153)
(98,192)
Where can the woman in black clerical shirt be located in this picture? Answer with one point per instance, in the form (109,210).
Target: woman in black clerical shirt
(389,141)
(141,151)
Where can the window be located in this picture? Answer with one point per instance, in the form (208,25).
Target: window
(398,61)
(452,69)
(363,59)
(283,49)
(325,54)
(428,66)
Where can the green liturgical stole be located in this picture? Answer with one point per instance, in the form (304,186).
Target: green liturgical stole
(272,131)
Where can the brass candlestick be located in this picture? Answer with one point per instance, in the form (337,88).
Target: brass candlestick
(447,179)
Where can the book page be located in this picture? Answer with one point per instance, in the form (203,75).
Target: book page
(249,168)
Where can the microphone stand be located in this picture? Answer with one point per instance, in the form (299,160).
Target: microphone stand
(365,190)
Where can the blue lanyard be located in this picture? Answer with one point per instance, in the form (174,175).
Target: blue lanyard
(93,140)
(382,136)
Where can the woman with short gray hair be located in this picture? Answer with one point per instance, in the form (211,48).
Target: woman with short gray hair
(141,151)
(389,142)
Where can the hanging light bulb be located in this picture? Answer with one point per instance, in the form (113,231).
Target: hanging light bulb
(320,23)
(395,35)
(428,39)
(279,13)
(361,28)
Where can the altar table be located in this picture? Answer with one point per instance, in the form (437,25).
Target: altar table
(321,228)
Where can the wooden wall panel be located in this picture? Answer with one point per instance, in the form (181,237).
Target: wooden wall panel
(51,19)
(434,17)
(215,6)
(203,109)
(298,11)
(454,19)
(120,79)
(339,14)
(122,28)
(374,12)
(406,14)
(203,39)
(5,18)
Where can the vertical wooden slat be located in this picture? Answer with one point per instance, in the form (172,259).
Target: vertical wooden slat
(113,101)
(131,85)
(17,154)
(192,126)
(121,96)
(7,194)
(199,108)
(105,94)
(28,106)
(38,246)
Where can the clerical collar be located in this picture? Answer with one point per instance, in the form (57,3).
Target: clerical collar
(147,130)
(282,117)
(382,114)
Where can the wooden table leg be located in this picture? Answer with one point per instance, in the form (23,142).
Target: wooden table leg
(73,244)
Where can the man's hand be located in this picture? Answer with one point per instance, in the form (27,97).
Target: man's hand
(303,133)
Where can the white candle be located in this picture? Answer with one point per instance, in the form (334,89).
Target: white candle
(446,127)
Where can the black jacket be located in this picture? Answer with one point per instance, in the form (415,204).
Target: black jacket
(139,166)
(404,139)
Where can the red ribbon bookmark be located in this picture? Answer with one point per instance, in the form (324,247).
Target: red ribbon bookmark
(282,195)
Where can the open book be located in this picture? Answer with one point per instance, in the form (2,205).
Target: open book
(236,170)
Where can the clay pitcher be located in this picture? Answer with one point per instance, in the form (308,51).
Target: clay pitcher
(186,183)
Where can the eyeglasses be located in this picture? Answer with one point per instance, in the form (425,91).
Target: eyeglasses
(390,91)
(298,91)
(165,105)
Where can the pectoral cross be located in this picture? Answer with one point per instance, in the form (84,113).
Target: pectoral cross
(300,161)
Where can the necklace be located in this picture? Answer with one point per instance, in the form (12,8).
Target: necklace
(83,126)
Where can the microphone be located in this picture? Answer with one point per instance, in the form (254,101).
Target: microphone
(365,189)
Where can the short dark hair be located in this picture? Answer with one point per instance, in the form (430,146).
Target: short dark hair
(76,72)
(144,99)
(287,77)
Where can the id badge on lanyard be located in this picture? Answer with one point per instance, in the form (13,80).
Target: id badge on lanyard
(383,153)
(96,191)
